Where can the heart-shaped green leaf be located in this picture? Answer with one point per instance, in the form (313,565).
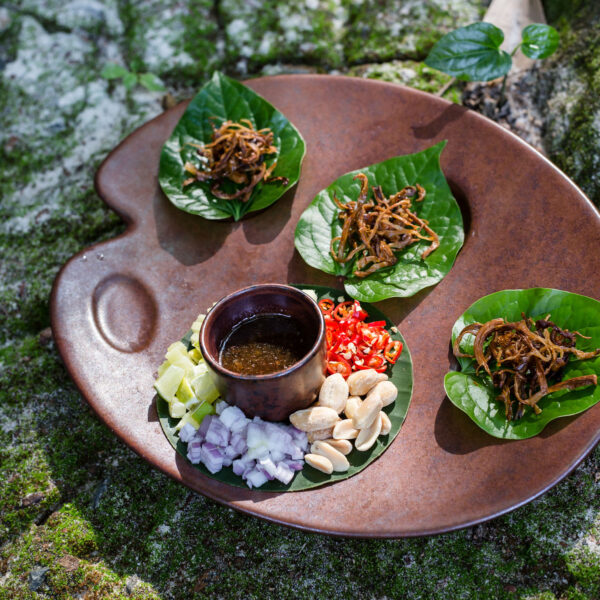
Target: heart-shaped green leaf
(219,100)
(475,395)
(539,41)
(319,224)
(151,82)
(400,374)
(113,71)
(471,53)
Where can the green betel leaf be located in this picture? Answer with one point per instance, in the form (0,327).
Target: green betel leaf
(400,374)
(539,41)
(130,80)
(475,395)
(471,53)
(151,82)
(320,223)
(113,71)
(219,100)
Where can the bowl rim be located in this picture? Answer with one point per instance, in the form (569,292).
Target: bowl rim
(216,366)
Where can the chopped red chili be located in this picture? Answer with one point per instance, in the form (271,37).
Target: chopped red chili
(354,344)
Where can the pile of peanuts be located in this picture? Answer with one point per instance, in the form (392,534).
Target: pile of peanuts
(329,434)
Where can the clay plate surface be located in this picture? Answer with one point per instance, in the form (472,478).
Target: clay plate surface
(115,307)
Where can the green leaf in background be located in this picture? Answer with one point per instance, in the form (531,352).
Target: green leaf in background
(471,53)
(113,71)
(400,374)
(151,82)
(130,80)
(319,223)
(474,393)
(539,41)
(220,99)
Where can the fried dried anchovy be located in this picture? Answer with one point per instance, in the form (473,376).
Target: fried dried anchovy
(237,153)
(374,230)
(519,357)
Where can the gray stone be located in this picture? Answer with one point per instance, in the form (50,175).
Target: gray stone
(91,15)
(5,19)
(131,583)
(37,577)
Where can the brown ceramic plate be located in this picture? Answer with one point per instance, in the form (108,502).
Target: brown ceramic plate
(526,225)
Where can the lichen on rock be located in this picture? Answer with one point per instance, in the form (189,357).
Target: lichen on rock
(569,95)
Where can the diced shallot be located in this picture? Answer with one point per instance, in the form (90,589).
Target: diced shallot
(233,418)
(217,433)
(212,457)
(187,433)
(256,478)
(257,450)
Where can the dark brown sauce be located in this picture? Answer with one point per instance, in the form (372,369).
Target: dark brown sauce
(263,344)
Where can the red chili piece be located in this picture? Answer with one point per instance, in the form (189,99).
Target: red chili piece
(354,344)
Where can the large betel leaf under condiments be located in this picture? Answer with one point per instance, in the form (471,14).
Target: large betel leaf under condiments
(219,100)
(475,395)
(400,374)
(320,223)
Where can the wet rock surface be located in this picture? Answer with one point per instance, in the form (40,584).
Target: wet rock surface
(81,515)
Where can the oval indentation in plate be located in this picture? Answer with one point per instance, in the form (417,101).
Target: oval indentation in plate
(124,312)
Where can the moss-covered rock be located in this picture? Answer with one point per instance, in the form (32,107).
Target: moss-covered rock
(411,73)
(176,40)
(257,33)
(383,30)
(569,94)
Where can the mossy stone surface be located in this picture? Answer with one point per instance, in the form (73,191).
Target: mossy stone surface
(81,516)
(569,94)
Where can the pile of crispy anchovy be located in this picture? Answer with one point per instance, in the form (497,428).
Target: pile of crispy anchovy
(236,153)
(522,357)
(375,229)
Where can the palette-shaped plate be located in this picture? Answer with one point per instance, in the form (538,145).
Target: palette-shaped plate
(115,307)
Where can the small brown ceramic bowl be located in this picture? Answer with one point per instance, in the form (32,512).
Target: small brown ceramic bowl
(276,395)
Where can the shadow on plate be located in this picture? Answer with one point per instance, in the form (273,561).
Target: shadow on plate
(300,272)
(463,204)
(262,227)
(152,413)
(189,238)
(434,128)
(456,433)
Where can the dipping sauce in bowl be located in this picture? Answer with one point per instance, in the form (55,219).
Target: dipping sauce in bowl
(265,348)
(263,344)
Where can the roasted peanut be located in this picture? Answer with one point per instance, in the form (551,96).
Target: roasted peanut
(338,460)
(319,434)
(386,390)
(319,462)
(344,430)
(314,418)
(360,382)
(366,438)
(351,405)
(386,424)
(367,412)
(334,393)
(343,446)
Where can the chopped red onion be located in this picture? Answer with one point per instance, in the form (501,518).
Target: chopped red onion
(233,418)
(283,473)
(255,478)
(187,433)
(201,431)
(257,450)
(268,466)
(217,433)
(212,457)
